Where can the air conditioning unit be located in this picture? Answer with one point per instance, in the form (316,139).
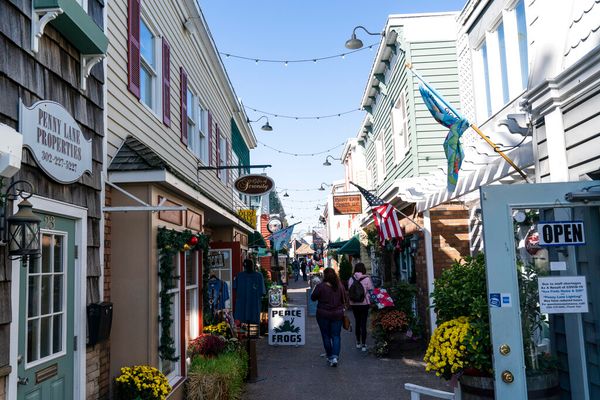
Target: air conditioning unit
(11,149)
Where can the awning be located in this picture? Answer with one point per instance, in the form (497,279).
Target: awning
(304,250)
(336,245)
(352,247)
(255,240)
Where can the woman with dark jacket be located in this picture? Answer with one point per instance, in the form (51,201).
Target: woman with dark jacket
(331,298)
(360,309)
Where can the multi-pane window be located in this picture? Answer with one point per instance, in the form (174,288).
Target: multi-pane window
(172,368)
(148,65)
(46,301)
(197,128)
(486,77)
(503,64)
(522,38)
(192,313)
(400,129)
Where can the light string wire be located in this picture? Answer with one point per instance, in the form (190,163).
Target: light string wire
(297,117)
(302,154)
(299,60)
(303,201)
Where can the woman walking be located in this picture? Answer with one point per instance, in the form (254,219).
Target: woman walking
(331,298)
(359,301)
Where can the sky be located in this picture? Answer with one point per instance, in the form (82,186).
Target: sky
(302,29)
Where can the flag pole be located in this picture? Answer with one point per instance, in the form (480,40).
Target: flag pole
(475,127)
(396,209)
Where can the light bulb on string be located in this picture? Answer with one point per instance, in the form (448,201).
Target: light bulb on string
(286,64)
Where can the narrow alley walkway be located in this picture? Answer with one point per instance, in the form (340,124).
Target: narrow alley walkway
(287,372)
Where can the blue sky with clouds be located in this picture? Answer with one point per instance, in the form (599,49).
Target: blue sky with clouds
(287,30)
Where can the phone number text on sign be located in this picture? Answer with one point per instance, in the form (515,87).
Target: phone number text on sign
(58,161)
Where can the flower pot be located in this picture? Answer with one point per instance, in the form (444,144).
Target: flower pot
(545,386)
(399,345)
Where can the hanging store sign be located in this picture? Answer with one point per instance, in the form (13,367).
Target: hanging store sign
(55,140)
(347,204)
(287,326)
(561,233)
(249,216)
(254,185)
(563,294)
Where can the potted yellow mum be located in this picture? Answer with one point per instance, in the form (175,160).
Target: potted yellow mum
(141,382)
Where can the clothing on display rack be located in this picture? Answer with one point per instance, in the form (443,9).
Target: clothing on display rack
(250,288)
(218,294)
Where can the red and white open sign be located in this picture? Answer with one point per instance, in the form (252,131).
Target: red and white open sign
(561,233)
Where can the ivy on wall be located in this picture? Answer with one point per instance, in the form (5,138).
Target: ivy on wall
(170,243)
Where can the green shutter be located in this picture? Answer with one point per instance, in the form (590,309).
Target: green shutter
(239,146)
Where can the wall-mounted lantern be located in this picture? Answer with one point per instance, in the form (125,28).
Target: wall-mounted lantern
(21,231)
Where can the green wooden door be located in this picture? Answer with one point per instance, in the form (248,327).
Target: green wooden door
(46,315)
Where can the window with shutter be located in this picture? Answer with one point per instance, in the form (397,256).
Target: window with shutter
(210,139)
(134,47)
(166,81)
(183,106)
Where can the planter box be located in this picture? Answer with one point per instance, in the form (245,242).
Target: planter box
(544,387)
(400,346)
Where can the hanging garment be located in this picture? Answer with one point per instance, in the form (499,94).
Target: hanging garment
(250,288)
(218,293)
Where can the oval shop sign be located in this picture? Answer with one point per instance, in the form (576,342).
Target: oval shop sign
(55,140)
(254,185)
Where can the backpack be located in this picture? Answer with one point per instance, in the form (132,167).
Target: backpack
(357,291)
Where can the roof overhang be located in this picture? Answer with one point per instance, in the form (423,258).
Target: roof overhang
(214,214)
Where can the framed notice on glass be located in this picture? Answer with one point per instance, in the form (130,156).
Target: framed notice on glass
(216,261)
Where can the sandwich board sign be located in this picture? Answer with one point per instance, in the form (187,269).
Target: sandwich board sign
(287,326)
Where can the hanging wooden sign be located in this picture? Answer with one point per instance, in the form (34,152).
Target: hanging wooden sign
(254,185)
(347,204)
(55,140)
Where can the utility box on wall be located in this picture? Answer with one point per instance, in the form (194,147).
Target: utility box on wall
(99,317)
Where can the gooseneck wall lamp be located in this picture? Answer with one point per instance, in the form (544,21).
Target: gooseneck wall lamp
(323,187)
(327,163)
(265,127)
(21,231)
(354,43)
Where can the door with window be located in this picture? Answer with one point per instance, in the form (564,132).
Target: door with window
(46,315)
(542,245)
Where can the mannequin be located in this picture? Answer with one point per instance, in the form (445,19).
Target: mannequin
(250,288)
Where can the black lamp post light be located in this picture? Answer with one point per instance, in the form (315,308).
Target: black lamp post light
(354,43)
(21,231)
(327,163)
(323,186)
(266,127)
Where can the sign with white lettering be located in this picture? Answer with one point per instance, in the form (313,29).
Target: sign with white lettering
(563,294)
(55,140)
(287,326)
(561,233)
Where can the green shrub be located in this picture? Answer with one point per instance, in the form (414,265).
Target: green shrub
(345,269)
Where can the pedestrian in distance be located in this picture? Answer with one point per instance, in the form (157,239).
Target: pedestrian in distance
(332,300)
(296,269)
(359,286)
(303,269)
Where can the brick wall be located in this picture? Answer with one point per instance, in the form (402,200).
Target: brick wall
(265,262)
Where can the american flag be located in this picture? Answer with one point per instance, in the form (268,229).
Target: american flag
(386,219)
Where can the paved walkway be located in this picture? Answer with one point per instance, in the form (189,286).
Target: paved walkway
(287,372)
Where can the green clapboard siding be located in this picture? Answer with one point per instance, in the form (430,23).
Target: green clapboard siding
(437,63)
(238,145)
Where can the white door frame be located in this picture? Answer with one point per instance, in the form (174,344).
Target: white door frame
(80,215)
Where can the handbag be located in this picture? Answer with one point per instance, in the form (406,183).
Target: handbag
(347,324)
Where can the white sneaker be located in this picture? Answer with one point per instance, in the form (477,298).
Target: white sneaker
(364,348)
(333,362)
(358,345)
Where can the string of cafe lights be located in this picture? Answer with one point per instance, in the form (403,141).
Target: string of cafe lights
(298,117)
(287,200)
(285,62)
(302,154)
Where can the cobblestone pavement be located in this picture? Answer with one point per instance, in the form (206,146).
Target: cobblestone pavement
(288,372)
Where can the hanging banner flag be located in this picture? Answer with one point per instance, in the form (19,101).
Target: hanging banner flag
(282,237)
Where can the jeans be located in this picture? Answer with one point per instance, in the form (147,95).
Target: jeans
(330,332)
(361,314)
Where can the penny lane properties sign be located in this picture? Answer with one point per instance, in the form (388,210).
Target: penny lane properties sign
(55,140)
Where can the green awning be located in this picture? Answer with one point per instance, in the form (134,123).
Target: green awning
(336,245)
(75,25)
(352,247)
(256,240)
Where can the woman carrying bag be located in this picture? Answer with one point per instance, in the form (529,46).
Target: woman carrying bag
(331,298)
(359,286)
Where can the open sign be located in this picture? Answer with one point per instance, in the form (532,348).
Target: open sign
(562,233)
